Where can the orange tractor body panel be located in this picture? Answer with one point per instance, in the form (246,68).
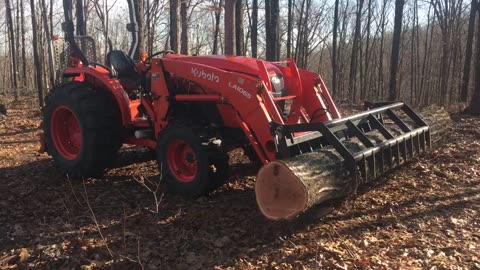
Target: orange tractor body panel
(239,86)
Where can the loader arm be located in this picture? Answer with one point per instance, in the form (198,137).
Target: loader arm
(248,96)
(244,86)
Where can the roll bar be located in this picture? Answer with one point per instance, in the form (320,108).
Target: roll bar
(69,29)
(132,27)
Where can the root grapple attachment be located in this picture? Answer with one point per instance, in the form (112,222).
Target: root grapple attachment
(370,143)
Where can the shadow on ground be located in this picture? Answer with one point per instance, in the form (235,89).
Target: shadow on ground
(65,223)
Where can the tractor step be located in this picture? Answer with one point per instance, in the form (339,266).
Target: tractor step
(369,142)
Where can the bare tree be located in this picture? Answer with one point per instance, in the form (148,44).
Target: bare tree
(254,30)
(289,28)
(174,26)
(49,43)
(184,21)
(36,57)
(397,31)
(80,23)
(13,48)
(335,48)
(239,27)
(216,31)
(468,52)
(103,14)
(17,40)
(272,11)
(475,102)
(230,27)
(447,14)
(24,58)
(355,51)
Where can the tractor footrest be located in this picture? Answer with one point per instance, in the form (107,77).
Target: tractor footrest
(369,142)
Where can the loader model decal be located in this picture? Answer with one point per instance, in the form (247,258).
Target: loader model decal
(239,89)
(204,75)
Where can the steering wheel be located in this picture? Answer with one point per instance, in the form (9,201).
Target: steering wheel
(157,53)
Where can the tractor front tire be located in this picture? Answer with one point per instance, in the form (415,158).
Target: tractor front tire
(82,129)
(188,167)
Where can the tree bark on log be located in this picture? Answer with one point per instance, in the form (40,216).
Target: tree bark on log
(286,188)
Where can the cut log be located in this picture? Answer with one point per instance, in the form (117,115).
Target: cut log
(286,188)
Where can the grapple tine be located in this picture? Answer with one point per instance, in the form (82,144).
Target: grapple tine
(355,139)
(359,134)
(373,167)
(397,153)
(364,166)
(411,146)
(398,121)
(382,161)
(380,127)
(403,149)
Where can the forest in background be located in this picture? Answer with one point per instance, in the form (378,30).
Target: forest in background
(419,51)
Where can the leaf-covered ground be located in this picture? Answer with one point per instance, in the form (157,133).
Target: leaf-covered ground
(425,215)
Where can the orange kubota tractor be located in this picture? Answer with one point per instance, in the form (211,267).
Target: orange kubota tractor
(193,109)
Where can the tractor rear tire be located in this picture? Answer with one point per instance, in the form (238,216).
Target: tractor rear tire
(188,167)
(82,129)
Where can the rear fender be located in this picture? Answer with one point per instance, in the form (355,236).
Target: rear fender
(99,77)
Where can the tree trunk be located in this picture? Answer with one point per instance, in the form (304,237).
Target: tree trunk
(271,28)
(354,60)
(289,28)
(184,20)
(24,58)
(254,31)
(174,26)
(335,49)
(218,13)
(230,27)
(13,46)
(381,75)
(36,57)
(468,52)
(286,188)
(239,27)
(364,69)
(397,31)
(141,29)
(81,24)
(474,107)
(275,16)
(17,42)
(49,43)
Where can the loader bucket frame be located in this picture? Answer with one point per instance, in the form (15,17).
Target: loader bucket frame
(378,156)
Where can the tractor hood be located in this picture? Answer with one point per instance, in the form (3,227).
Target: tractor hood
(240,64)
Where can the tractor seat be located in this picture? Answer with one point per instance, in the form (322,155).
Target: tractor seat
(123,67)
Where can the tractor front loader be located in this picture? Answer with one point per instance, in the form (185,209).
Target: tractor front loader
(192,110)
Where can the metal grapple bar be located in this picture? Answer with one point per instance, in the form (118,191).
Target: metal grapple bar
(370,142)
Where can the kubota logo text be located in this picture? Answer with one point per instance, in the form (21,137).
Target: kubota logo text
(204,75)
(240,90)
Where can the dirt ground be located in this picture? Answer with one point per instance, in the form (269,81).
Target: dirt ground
(425,215)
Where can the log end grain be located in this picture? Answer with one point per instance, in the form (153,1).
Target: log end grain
(280,193)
